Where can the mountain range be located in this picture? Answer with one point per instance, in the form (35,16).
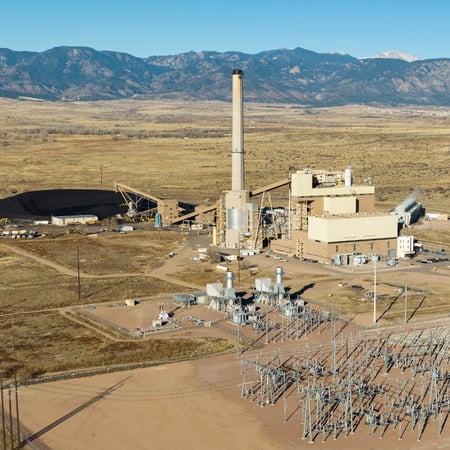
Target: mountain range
(286,75)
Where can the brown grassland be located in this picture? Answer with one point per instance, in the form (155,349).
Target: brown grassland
(163,146)
(178,150)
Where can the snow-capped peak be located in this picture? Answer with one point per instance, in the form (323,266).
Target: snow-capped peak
(394,54)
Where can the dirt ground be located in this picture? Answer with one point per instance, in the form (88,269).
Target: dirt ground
(190,405)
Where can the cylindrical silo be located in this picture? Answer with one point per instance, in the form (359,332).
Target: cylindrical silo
(279,287)
(348,177)
(229,277)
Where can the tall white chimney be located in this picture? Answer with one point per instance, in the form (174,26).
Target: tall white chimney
(239,221)
(237,150)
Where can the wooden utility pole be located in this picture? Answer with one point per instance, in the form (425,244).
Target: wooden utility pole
(78,275)
(3,415)
(17,410)
(374,291)
(406,302)
(10,420)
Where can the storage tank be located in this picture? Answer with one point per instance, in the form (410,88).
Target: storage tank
(348,176)
(229,277)
(279,287)
(229,289)
(158,220)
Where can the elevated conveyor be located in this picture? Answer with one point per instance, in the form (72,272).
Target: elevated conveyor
(134,197)
(269,187)
(125,190)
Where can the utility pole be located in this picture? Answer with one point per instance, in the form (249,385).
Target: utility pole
(406,302)
(374,290)
(10,419)
(78,275)
(17,409)
(289,204)
(239,328)
(3,415)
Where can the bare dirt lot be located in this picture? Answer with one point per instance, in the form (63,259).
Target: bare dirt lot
(192,405)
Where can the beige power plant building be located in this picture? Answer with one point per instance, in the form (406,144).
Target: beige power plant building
(333,221)
(328,218)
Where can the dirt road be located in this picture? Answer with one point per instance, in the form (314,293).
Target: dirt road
(160,273)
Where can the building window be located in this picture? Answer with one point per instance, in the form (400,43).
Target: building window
(354,247)
(337,248)
(371,246)
(389,244)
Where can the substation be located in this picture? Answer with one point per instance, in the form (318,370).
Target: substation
(377,382)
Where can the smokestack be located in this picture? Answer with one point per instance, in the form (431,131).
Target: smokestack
(237,150)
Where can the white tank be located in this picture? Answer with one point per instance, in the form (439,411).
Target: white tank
(348,177)
(279,287)
(235,219)
(229,277)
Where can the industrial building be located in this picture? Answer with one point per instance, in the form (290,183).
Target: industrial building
(328,218)
(409,211)
(405,246)
(84,219)
(331,220)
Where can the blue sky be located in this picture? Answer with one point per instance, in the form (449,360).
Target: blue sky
(148,27)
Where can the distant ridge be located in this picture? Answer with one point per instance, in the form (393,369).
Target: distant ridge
(295,76)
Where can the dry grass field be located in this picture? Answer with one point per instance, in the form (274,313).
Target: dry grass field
(162,147)
(65,345)
(36,338)
(180,150)
(112,267)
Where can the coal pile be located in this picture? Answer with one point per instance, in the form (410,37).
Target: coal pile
(62,202)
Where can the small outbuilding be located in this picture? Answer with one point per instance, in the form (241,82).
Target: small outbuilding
(74,220)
